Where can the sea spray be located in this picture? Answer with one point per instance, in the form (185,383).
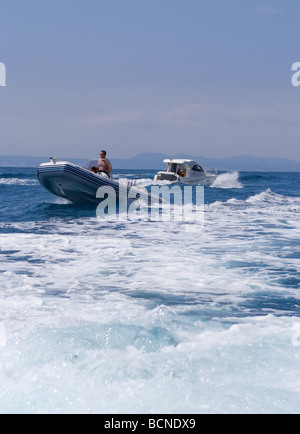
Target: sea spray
(227,180)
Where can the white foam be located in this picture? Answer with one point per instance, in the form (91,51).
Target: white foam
(147,182)
(228,180)
(134,316)
(17,181)
(211,370)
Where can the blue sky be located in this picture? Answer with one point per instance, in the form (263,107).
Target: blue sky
(209,77)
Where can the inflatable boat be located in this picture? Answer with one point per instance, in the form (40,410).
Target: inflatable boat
(80,185)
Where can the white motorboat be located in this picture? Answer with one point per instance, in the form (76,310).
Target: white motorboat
(80,185)
(186,172)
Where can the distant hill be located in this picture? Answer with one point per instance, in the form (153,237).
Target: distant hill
(148,161)
(242,163)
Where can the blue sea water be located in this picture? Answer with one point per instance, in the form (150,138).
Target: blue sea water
(151,317)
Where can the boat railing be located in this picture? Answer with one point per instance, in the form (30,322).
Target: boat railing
(212,171)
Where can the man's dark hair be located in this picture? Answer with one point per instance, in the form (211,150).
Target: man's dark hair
(104,152)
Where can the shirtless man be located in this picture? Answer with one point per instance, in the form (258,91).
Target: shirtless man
(104,165)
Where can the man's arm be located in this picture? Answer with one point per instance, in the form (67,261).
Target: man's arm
(109,166)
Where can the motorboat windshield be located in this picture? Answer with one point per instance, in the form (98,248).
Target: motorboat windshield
(91,163)
(197,168)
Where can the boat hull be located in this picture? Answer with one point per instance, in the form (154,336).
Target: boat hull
(79,185)
(205,180)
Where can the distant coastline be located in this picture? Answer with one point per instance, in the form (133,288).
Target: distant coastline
(154,161)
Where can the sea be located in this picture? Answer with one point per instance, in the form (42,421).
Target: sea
(151,317)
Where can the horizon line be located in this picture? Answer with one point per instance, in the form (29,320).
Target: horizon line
(158,153)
